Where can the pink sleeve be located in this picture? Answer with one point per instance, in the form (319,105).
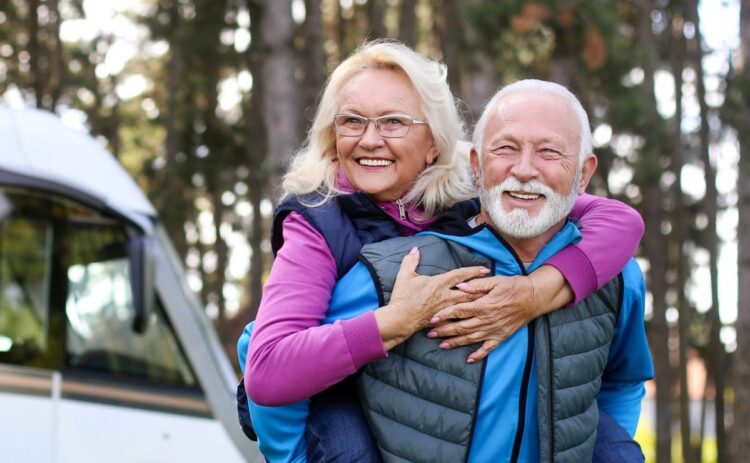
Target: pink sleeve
(291,355)
(611,232)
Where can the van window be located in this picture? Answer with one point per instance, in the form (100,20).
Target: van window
(65,294)
(25,257)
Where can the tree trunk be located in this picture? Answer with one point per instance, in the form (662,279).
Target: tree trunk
(57,60)
(341,27)
(656,244)
(482,83)
(740,444)
(171,186)
(375,14)
(712,239)
(35,49)
(314,59)
(679,231)
(280,101)
(222,260)
(448,26)
(407,22)
(255,153)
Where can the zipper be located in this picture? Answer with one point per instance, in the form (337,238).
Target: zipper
(551,391)
(479,390)
(531,327)
(476,411)
(401,209)
(524,393)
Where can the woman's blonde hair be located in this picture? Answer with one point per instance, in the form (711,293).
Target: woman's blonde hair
(442,184)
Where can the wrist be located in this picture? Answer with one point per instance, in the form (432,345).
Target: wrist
(394,329)
(532,299)
(551,290)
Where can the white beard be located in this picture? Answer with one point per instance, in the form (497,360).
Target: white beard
(517,223)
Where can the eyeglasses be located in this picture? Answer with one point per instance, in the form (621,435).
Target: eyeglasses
(388,126)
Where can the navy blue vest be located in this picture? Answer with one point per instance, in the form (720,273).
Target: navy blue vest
(347,223)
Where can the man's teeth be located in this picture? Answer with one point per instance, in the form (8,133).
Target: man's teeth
(374,162)
(520,195)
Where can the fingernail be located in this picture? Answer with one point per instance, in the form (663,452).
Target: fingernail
(432,334)
(434,320)
(470,361)
(461,285)
(413,250)
(443,345)
(484,270)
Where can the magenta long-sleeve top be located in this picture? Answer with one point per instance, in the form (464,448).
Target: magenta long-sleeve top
(292,356)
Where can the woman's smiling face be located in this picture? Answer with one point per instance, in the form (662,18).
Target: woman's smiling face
(384,168)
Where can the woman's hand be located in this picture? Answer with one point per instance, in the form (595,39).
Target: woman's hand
(416,298)
(507,304)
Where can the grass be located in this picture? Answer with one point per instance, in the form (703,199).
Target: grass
(646,437)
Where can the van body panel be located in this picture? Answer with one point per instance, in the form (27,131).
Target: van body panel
(71,392)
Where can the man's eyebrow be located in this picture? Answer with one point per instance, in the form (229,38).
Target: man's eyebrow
(553,139)
(503,137)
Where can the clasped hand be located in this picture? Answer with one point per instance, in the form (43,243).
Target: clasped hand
(506,304)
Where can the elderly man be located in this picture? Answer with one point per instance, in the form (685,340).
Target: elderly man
(538,395)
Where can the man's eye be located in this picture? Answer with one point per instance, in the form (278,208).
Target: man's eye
(551,152)
(503,149)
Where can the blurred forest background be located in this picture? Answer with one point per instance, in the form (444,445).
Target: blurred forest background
(204,101)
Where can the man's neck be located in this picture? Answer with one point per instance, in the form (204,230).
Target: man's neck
(526,248)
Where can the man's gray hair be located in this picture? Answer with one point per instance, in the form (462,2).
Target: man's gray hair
(535,85)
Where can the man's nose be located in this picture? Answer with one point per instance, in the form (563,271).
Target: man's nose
(370,138)
(524,169)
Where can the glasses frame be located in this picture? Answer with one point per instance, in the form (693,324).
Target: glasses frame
(376,120)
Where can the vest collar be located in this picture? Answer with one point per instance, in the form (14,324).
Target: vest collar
(485,240)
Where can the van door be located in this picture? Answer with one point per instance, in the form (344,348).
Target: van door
(99,390)
(27,427)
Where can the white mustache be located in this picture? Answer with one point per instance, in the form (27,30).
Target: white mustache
(534,186)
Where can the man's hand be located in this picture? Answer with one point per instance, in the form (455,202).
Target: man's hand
(506,305)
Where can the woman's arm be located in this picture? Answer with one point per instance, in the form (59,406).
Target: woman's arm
(293,356)
(611,232)
(288,344)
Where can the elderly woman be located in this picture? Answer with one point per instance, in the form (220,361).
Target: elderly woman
(381,161)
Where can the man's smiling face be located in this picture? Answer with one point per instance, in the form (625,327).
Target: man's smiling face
(529,167)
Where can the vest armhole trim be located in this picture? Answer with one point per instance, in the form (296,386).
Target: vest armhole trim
(375,279)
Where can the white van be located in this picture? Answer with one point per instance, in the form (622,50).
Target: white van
(105,353)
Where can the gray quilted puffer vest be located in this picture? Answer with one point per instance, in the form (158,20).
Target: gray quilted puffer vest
(421,401)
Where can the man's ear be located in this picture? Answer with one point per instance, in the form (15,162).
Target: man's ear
(474,161)
(587,171)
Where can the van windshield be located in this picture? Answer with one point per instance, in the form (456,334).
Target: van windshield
(65,294)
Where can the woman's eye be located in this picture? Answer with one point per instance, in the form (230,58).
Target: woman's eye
(394,121)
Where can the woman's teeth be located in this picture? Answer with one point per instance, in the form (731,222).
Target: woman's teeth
(374,162)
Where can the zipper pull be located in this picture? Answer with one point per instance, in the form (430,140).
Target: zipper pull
(401,209)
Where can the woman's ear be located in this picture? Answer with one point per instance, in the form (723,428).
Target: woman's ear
(432,154)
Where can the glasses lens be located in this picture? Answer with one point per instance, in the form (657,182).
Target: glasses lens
(393,126)
(349,125)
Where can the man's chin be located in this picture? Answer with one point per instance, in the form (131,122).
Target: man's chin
(526,212)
